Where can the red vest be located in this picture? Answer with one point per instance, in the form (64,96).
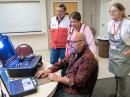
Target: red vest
(59,32)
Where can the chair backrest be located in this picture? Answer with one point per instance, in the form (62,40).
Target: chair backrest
(94,77)
(24,50)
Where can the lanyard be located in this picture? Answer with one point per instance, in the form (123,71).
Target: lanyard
(116,30)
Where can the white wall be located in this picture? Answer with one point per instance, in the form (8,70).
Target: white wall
(88,12)
(91,14)
(39,42)
(97,16)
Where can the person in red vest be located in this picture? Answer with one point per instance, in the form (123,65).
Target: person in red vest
(58,34)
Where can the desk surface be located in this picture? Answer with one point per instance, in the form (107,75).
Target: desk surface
(45,90)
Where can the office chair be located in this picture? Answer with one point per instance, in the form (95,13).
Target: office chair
(24,50)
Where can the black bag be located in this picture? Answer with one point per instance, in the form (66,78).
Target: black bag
(25,67)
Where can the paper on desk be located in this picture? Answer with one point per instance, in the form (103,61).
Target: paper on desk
(27,84)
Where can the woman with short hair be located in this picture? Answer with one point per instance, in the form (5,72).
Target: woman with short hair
(77,26)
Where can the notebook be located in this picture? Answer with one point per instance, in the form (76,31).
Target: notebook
(20,87)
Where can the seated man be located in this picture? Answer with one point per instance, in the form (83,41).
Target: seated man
(80,68)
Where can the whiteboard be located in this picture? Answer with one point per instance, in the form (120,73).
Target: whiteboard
(20,17)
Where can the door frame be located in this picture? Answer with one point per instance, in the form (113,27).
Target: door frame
(101,16)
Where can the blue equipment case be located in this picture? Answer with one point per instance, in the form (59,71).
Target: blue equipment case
(15,65)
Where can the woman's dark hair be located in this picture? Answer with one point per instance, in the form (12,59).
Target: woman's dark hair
(120,7)
(75,15)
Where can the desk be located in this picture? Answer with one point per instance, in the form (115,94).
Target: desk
(45,90)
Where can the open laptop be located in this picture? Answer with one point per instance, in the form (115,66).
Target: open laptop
(20,87)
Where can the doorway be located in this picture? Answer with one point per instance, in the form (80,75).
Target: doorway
(105,17)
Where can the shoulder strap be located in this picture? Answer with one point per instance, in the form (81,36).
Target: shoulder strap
(71,30)
(84,28)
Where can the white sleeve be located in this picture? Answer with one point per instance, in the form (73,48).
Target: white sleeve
(109,26)
(125,34)
(129,27)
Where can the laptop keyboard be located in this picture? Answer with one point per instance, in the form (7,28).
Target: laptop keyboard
(16,86)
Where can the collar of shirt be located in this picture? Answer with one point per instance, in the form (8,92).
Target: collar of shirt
(60,19)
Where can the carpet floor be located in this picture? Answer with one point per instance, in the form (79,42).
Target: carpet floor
(106,87)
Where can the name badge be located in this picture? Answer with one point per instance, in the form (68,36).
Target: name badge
(113,47)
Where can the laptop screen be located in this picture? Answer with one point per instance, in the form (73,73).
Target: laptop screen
(4,78)
(7,50)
